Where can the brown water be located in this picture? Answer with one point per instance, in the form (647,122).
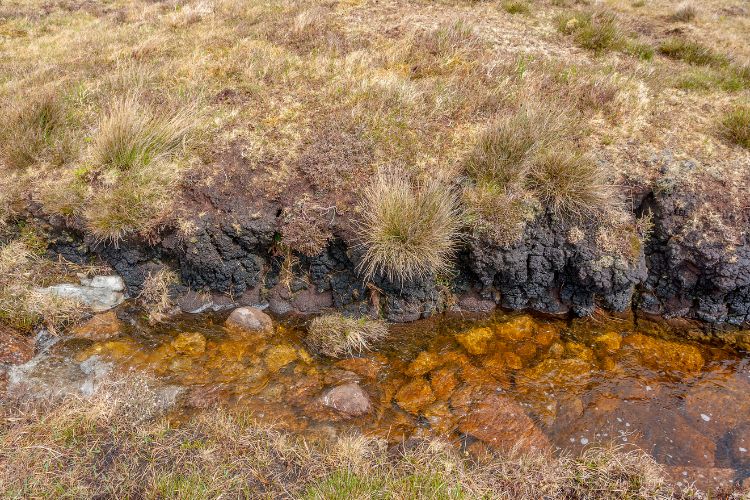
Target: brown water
(479,381)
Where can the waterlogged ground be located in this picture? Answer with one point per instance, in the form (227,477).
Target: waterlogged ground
(479,381)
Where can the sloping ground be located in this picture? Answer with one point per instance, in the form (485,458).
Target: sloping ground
(235,141)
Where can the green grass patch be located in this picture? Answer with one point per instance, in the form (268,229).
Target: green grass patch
(735,125)
(516,7)
(692,52)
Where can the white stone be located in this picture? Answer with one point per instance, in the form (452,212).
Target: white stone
(113,283)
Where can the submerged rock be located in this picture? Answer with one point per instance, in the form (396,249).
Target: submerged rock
(502,423)
(250,319)
(190,343)
(475,341)
(518,328)
(423,363)
(415,395)
(278,356)
(349,399)
(100,327)
(609,342)
(665,354)
(737,443)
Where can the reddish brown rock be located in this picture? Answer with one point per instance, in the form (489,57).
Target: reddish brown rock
(348,399)
(502,423)
(101,327)
(310,301)
(15,349)
(415,395)
(472,302)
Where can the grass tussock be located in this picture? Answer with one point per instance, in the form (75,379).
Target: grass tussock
(685,12)
(691,52)
(526,162)
(155,296)
(735,125)
(105,446)
(570,183)
(130,135)
(132,184)
(593,30)
(337,336)
(408,230)
(516,7)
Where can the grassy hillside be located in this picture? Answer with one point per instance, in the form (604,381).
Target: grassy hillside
(112,106)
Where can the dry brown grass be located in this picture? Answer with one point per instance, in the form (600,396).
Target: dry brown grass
(685,12)
(528,162)
(155,294)
(119,444)
(34,131)
(572,184)
(409,231)
(337,336)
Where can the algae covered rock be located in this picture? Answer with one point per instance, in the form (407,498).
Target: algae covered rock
(665,354)
(415,395)
(609,342)
(476,341)
(518,328)
(423,363)
(278,356)
(189,343)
